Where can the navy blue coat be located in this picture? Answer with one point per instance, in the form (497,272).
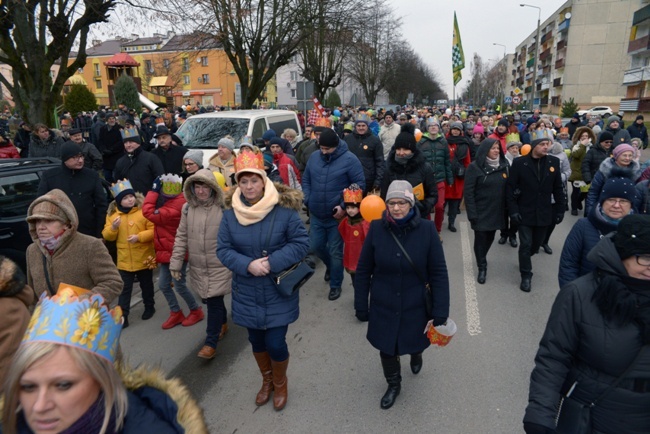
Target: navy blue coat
(256,303)
(326,176)
(397,311)
(151,410)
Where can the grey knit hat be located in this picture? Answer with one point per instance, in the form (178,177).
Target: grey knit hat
(195,155)
(400,190)
(227,143)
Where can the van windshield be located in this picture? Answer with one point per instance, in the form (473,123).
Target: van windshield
(205,133)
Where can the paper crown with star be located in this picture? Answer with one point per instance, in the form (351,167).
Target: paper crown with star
(121,186)
(85,323)
(352,195)
(172,185)
(249,162)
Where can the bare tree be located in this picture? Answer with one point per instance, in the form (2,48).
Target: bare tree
(406,73)
(34,35)
(484,83)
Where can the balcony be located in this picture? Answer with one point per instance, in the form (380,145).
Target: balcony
(564,25)
(561,44)
(530,62)
(641,15)
(635,104)
(636,75)
(528,89)
(545,54)
(557,82)
(529,76)
(547,36)
(546,69)
(639,45)
(559,63)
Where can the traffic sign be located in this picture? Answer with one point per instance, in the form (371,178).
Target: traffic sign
(507,99)
(492,101)
(516,100)
(517,91)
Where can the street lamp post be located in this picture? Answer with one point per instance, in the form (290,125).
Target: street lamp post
(505,72)
(537,42)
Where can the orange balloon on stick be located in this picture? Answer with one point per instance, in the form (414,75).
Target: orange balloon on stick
(525,149)
(418,134)
(372,207)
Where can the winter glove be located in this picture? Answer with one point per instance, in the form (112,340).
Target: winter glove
(559,217)
(533,428)
(439,320)
(362,315)
(176,275)
(516,217)
(157,185)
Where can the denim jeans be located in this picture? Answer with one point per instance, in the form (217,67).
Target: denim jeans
(164,283)
(217,316)
(326,242)
(272,340)
(145,277)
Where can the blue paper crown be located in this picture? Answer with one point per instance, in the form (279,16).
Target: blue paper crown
(120,186)
(86,324)
(128,133)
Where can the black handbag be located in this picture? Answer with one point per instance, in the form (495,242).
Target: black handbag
(428,296)
(292,278)
(573,416)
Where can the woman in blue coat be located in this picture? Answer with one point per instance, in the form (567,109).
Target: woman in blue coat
(260,235)
(397,313)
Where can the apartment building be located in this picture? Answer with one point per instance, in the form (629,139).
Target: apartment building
(637,75)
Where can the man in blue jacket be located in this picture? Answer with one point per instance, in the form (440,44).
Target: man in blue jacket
(326,175)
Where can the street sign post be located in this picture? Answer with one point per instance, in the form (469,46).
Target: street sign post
(507,100)
(516,100)
(517,91)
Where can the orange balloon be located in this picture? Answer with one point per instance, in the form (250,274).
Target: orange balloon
(372,207)
(525,149)
(418,134)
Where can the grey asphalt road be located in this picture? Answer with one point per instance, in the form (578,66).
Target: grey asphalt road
(477,384)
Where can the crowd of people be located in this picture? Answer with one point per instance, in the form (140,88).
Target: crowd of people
(235,226)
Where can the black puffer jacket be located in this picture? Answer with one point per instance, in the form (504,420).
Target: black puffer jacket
(416,171)
(591,163)
(581,345)
(485,190)
(370,152)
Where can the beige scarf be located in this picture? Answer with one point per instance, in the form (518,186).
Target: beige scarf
(248,215)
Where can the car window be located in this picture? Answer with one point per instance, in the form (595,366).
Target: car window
(281,123)
(16,194)
(258,128)
(205,133)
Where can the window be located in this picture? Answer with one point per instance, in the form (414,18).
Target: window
(186,79)
(206,78)
(294,75)
(166,63)
(204,60)
(16,194)
(98,84)
(293,93)
(96,69)
(186,64)
(148,66)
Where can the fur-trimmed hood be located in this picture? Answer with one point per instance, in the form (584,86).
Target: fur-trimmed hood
(609,164)
(190,415)
(578,133)
(206,177)
(289,197)
(139,200)
(13,282)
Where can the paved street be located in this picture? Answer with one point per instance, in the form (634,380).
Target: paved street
(478,384)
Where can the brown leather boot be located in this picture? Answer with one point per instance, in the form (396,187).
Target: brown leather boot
(279,384)
(264,363)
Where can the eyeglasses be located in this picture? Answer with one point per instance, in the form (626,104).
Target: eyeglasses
(614,201)
(190,164)
(643,260)
(397,203)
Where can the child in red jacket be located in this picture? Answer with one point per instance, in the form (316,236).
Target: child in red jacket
(353,228)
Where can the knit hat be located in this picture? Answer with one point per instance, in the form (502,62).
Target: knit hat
(399,189)
(195,155)
(513,143)
(576,116)
(406,138)
(268,135)
(639,117)
(69,149)
(457,125)
(390,113)
(227,142)
(129,121)
(268,159)
(47,210)
(623,147)
(617,186)
(504,122)
(328,139)
(538,141)
(633,236)
(276,141)
(613,118)
(605,135)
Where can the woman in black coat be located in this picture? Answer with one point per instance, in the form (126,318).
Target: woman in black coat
(485,198)
(397,311)
(406,162)
(598,326)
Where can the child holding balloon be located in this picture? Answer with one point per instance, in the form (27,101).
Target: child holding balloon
(353,228)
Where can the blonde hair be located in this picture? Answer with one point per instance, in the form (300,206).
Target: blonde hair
(115,397)
(289,131)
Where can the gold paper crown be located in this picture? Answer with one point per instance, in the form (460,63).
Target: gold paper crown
(120,186)
(352,194)
(512,137)
(171,184)
(249,161)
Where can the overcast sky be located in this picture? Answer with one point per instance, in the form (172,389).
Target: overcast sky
(428,26)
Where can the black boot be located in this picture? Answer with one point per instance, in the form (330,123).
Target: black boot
(416,363)
(482,273)
(393,376)
(450,225)
(525,283)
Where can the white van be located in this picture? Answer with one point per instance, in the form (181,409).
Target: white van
(205,130)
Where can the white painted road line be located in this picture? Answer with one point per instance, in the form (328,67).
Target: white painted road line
(471,302)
